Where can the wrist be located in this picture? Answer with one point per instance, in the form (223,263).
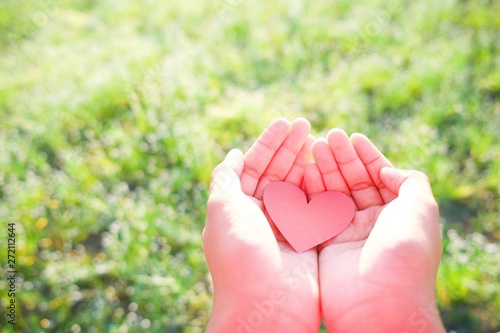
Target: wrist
(273,313)
(424,318)
(403,315)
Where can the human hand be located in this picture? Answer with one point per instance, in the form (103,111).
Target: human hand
(379,274)
(260,283)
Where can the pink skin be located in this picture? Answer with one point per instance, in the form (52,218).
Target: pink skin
(379,274)
(260,283)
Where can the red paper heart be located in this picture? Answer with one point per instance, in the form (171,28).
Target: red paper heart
(303,224)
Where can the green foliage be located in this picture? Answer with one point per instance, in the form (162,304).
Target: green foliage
(114,113)
(469,275)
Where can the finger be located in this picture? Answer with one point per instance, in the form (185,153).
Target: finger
(285,156)
(332,177)
(313,180)
(374,161)
(413,186)
(303,184)
(261,153)
(363,191)
(412,218)
(415,199)
(296,173)
(226,176)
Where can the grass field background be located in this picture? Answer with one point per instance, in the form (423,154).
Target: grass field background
(113,114)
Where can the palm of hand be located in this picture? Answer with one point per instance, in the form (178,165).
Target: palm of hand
(368,278)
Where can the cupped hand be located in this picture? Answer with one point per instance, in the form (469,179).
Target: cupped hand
(379,274)
(260,283)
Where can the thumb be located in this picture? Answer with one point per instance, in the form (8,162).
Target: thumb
(408,227)
(406,183)
(414,195)
(226,175)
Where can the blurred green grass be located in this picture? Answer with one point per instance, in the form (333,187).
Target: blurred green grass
(114,113)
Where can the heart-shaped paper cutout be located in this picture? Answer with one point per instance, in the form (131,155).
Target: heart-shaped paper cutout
(303,224)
